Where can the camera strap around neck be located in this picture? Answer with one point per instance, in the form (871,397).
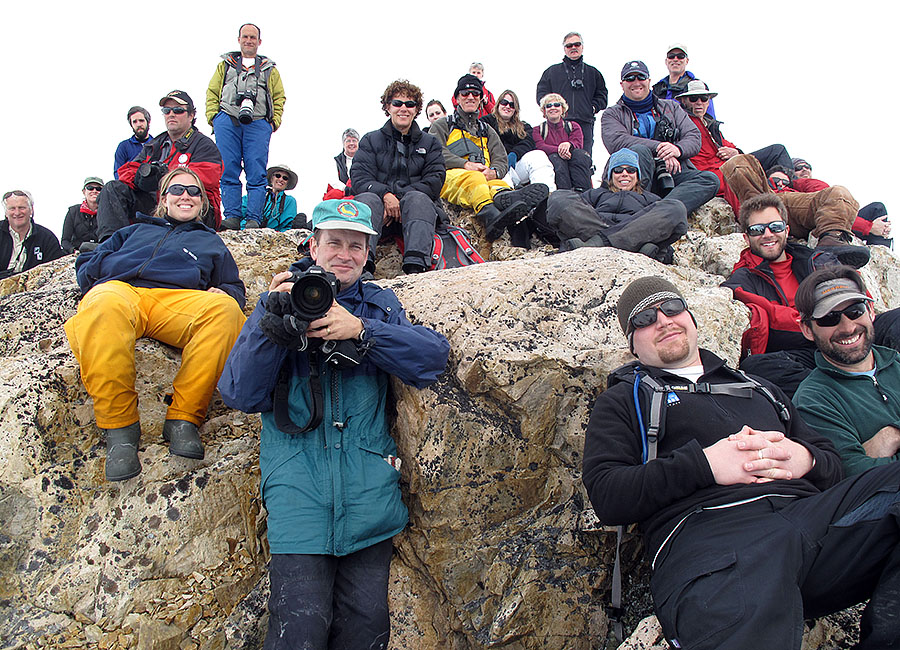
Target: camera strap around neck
(282,391)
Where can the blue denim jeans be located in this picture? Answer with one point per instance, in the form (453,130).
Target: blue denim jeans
(325,602)
(248,143)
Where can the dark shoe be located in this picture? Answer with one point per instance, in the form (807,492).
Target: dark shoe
(666,255)
(252,223)
(520,235)
(183,438)
(837,243)
(410,268)
(571,244)
(231,223)
(87,246)
(650,250)
(495,222)
(122,452)
(531,195)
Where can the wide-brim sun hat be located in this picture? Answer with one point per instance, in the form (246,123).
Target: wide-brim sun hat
(292,181)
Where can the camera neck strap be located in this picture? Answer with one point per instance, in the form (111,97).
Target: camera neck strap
(282,391)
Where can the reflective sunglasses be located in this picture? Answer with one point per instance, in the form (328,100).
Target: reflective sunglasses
(470,93)
(178,189)
(693,99)
(93,188)
(397,103)
(646,317)
(553,105)
(797,168)
(832,318)
(178,110)
(676,55)
(506,102)
(569,46)
(281,176)
(640,76)
(621,169)
(759,229)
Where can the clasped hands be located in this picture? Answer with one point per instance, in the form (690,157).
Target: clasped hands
(754,456)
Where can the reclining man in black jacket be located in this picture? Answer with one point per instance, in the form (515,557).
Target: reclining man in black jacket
(747,523)
(398,172)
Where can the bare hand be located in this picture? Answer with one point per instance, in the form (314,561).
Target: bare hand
(666,150)
(338,324)
(490,174)
(474,167)
(565,150)
(777,455)
(278,282)
(881,227)
(883,444)
(391,208)
(727,152)
(216,290)
(673,165)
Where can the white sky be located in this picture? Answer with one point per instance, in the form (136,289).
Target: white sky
(73,70)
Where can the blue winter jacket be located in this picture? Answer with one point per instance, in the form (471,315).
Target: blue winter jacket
(127,151)
(333,490)
(156,254)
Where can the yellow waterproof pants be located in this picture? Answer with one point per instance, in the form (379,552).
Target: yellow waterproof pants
(113,315)
(470,189)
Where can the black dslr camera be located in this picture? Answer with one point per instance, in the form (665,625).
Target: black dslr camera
(664,181)
(577,84)
(246,100)
(149,174)
(665,131)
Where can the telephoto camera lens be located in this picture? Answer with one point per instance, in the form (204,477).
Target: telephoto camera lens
(313,293)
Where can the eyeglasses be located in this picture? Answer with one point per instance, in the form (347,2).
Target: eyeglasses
(279,175)
(778,183)
(93,188)
(676,55)
(624,169)
(640,76)
(759,229)
(797,168)
(397,103)
(507,102)
(14,193)
(832,318)
(553,105)
(570,46)
(178,189)
(178,110)
(470,93)
(693,99)
(646,317)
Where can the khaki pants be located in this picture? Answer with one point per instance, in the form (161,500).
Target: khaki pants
(470,189)
(819,212)
(113,315)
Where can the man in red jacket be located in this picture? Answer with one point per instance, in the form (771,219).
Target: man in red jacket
(182,145)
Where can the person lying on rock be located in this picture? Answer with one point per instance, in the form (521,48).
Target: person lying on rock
(747,524)
(620,214)
(170,278)
(320,349)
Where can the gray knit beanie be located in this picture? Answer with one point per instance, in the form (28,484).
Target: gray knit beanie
(639,295)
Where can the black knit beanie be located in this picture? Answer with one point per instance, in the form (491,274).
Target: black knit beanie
(640,294)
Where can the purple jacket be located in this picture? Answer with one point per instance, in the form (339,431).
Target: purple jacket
(556,135)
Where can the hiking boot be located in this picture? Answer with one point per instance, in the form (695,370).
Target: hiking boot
(520,235)
(183,438)
(231,223)
(122,452)
(650,250)
(531,195)
(495,222)
(252,223)
(838,244)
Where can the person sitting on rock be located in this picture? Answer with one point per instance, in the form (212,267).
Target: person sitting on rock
(527,164)
(79,231)
(621,214)
(344,160)
(679,77)
(476,69)
(280,208)
(167,277)
(398,174)
(434,110)
(330,475)
(476,162)
(562,141)
(23,243)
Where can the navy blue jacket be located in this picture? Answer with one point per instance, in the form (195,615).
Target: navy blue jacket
(156,254)
(127,151)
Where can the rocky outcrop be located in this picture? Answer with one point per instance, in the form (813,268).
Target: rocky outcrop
(502,548)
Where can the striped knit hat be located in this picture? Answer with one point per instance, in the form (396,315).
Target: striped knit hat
(639,295)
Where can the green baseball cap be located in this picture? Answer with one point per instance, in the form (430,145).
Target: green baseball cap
(343,214)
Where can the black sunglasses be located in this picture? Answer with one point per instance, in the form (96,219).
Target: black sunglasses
(397,103)
(14,193)
(646,317)
(778,183)
(624,168)
(799,167)
(693,99)
(569,46)
(759,229)
(280,175)
(93,188)
(676,55)
(178,189)
(470,93)
(506,102)
(178,110)
(832,318)
(553,105)
(640,76)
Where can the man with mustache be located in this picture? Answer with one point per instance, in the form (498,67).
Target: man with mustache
(139,120)
(853,395)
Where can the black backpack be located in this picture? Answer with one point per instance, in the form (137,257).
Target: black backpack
(452,248)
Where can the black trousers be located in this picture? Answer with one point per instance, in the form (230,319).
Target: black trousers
(418,216)
(745,577)
(118,205)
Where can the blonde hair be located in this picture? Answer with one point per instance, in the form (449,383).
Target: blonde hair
(161,209)
(554,97)
(514,124)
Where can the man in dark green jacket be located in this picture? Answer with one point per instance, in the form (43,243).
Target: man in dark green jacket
(853,394)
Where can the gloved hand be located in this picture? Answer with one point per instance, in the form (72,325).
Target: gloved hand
(280,325)
(513,159)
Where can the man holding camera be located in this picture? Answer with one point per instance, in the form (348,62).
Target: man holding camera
(182,145)
(662,135)
(331,485)
(244,103)
(582,86)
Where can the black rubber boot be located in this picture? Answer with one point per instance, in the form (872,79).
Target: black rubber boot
(495,222)
(183,438)
(122,452)
(530,195)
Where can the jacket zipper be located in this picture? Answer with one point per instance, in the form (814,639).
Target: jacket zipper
(153,254)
